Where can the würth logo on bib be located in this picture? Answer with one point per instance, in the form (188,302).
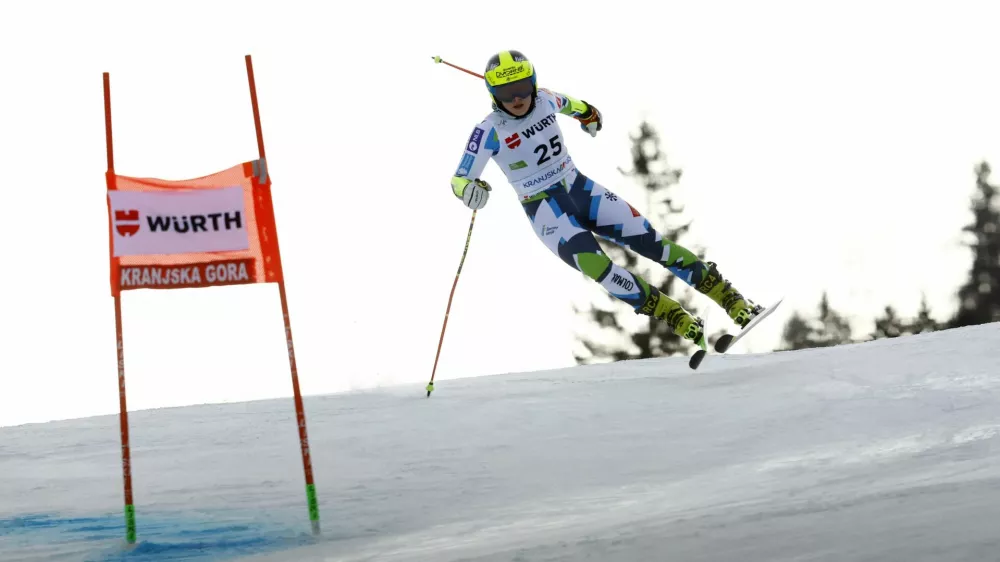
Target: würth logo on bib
(513,141)
(160,222)
(539,127)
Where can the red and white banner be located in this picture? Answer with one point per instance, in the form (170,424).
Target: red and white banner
(209,231)
(178,222)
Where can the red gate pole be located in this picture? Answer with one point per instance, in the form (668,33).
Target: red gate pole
(299,409)
(122,405)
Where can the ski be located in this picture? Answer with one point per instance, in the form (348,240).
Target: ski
(697,358)
(726,341)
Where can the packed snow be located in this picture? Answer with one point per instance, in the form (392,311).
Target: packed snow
(885,450)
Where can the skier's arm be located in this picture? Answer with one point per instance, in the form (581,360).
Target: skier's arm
(588,115)
(479,148)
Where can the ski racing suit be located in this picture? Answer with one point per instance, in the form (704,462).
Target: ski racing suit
(566,208)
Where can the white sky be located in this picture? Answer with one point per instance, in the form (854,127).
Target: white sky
(848,130)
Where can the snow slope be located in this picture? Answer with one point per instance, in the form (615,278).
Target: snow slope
(887,450)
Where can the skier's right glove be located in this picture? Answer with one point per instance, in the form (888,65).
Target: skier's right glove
(474,194)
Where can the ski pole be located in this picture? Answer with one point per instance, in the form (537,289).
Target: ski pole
(430,385)
(439,60)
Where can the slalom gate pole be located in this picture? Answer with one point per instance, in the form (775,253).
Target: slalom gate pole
(122,404)
(430,385)
(299,408)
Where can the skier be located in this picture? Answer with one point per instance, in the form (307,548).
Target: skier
(566,208)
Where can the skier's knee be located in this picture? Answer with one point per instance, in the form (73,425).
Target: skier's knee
(593,265)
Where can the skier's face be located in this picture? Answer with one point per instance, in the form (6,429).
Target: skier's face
(516,96)
(518,106)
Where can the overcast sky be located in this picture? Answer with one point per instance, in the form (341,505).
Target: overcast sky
(825,146)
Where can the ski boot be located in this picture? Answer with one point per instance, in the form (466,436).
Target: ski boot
(681,322)
(741,310)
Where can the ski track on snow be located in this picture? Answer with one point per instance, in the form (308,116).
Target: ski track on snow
(887,450)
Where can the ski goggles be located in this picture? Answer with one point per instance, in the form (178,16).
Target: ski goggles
(522,88)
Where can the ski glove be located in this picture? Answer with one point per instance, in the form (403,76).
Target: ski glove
(474,194)
(590,120)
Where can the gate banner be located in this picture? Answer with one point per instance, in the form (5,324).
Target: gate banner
(209,231)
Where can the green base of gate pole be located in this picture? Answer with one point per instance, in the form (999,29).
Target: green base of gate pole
(130,523)
(313,507)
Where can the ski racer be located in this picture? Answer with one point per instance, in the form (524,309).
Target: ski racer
(566,208)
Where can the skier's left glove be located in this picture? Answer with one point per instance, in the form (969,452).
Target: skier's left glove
(590,120)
